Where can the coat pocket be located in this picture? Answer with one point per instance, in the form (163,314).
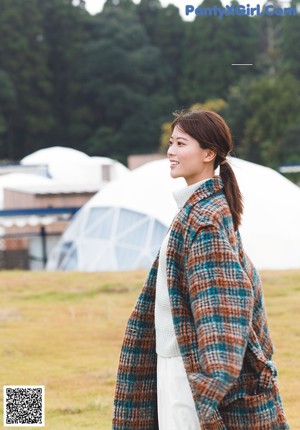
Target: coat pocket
(259,412)
(252,404)
(251,413)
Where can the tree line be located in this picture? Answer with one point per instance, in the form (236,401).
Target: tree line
(107,84)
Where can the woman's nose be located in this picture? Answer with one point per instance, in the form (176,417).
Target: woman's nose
(170,151)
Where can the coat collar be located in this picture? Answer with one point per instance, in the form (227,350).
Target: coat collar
(206,189)
(183,194)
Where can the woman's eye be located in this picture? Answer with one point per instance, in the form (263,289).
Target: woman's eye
(178,143)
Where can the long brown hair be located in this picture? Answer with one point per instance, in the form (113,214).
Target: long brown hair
(212,132)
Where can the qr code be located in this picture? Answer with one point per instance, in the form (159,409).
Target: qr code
(24,405)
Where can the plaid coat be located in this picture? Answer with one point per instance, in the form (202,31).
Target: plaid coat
(220,323)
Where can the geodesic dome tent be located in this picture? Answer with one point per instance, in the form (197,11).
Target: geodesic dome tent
(68,165)
(122,226)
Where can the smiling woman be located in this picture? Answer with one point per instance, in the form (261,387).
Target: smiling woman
(200,142)
(188,159)
(197,352)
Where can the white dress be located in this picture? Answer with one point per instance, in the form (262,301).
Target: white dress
(176,406)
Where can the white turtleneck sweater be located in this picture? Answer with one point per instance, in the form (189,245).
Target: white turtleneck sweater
(166,342)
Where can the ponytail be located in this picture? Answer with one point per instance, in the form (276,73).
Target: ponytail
(232,193)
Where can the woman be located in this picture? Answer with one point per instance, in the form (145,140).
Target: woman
(197,352)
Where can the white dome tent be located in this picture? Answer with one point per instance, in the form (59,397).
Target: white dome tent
(70,166)
(52,154)
(122,227)
(64,179)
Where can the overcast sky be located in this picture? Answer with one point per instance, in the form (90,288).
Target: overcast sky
(94,6)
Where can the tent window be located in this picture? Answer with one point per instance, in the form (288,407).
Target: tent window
(99,223)
(64,250)
(137,236)
(159,232)
(126,257)
(127,220)
(71,261)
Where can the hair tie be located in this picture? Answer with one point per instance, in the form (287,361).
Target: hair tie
(223,162)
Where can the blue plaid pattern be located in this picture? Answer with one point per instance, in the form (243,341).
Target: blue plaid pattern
(220,323)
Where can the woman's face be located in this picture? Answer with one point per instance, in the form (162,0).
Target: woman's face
(188,159)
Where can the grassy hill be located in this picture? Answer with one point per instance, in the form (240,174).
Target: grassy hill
(64,331)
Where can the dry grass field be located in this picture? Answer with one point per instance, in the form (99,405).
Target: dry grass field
(64,331)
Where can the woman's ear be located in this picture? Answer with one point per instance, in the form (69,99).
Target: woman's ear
(210,155)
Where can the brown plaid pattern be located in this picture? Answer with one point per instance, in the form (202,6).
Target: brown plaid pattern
(220,323)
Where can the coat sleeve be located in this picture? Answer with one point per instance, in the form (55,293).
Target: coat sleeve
(221,300)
